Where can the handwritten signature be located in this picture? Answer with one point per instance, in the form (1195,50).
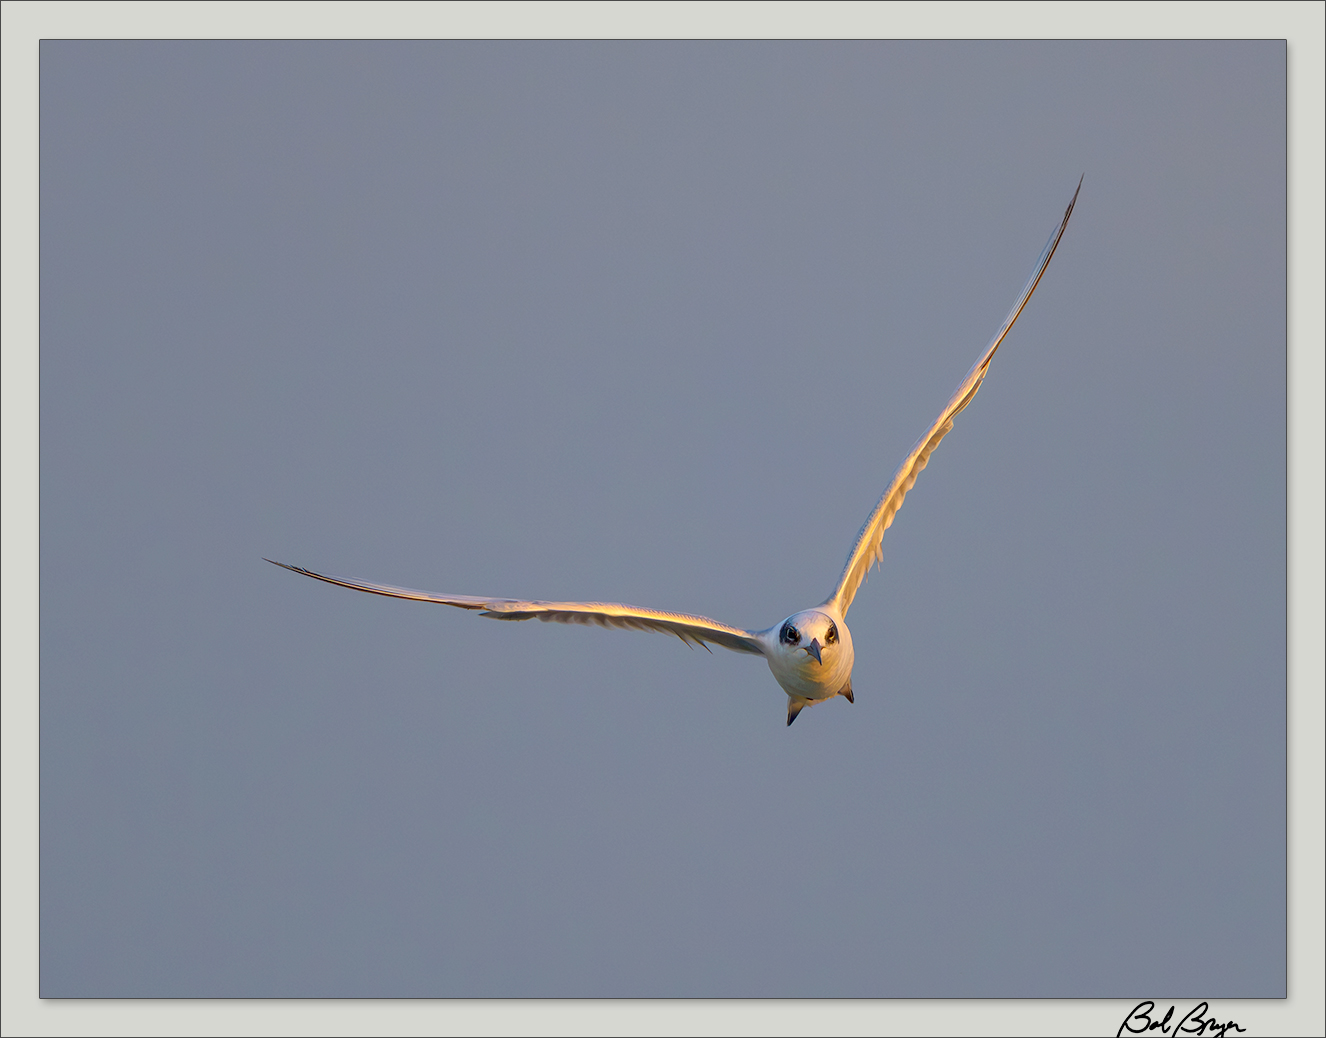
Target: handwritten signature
(1195,1021)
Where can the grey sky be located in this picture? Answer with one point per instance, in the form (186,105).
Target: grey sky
(654,323)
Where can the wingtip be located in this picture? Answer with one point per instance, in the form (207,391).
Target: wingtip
(293,569)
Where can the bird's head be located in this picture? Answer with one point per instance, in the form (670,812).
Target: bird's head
(809,635)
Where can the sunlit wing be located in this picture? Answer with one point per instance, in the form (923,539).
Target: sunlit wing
(867,549)
(690,629)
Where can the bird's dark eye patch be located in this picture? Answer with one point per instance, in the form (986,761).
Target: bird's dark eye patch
(832,635)
(789,635)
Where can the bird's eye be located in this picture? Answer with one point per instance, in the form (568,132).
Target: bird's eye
(831,636)
(789,635)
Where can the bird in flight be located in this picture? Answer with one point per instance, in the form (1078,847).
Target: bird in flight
(810,653)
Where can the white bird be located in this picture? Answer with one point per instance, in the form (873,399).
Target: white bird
(810,653)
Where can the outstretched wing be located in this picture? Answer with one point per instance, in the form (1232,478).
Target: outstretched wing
(690,629)
(867,550)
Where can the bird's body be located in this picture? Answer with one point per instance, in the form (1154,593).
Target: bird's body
(810,653)
(811,657)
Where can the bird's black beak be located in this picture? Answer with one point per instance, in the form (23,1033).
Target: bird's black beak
(814,649)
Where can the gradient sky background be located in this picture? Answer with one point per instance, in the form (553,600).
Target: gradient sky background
(655,323)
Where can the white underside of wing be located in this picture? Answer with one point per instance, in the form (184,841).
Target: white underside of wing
(690,629)
(867,550)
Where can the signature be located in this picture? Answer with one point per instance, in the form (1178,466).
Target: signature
(1140,1021)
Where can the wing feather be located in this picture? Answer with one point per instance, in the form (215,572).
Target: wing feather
(867,549)
(693,630)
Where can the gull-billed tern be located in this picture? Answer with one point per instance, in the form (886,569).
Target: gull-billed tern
(810,653)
